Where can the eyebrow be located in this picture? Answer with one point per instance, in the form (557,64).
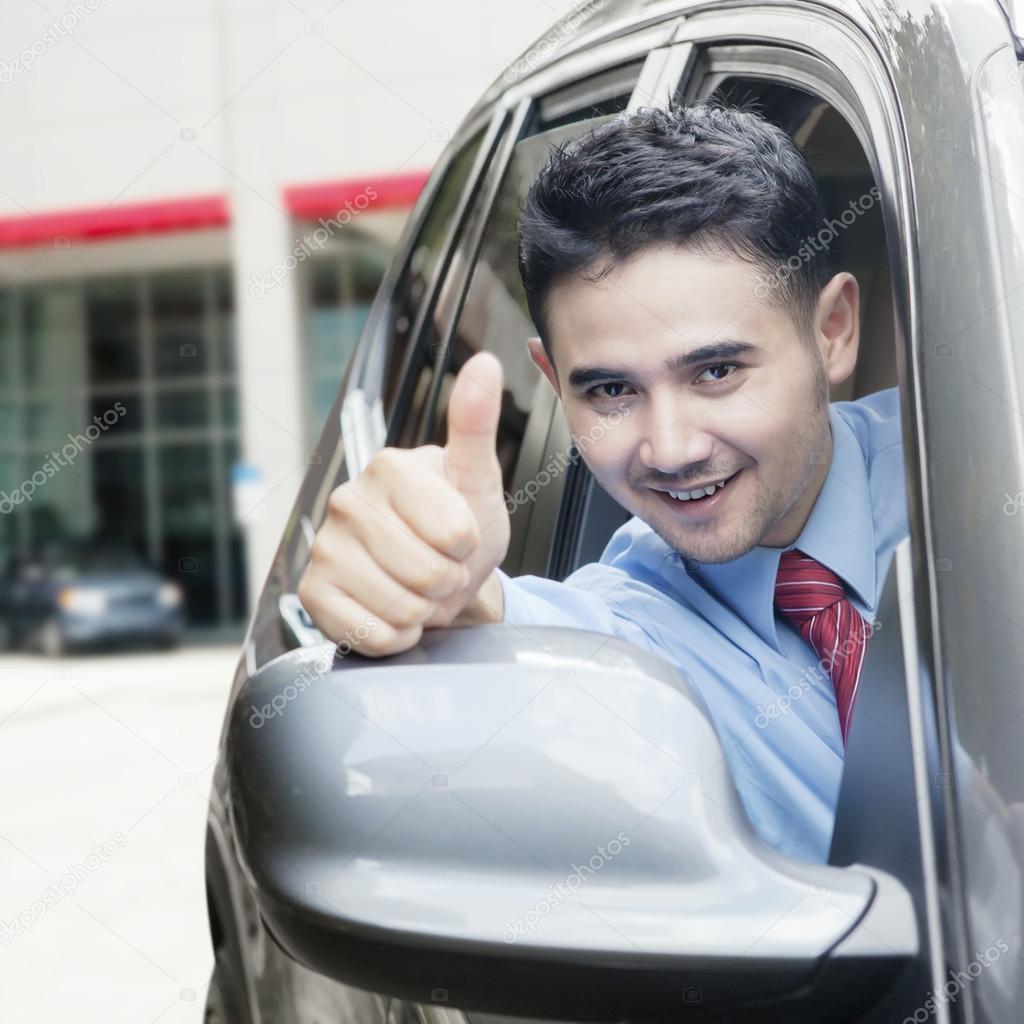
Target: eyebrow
(725,349)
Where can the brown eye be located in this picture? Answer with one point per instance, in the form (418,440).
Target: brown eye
(612,384)
(718,372)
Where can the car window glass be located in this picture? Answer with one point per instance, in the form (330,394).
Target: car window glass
(557,116)
(421,265)
(494,316)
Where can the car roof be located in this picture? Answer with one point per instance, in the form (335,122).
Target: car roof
(895,26)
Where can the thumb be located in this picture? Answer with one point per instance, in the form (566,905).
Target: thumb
(473,411)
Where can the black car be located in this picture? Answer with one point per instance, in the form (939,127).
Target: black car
(393,839)
(82,594)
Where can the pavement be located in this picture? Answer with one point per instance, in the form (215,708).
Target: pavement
(105,768)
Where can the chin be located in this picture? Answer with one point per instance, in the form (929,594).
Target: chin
(723,541)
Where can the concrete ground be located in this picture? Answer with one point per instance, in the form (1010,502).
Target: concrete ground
(105,767)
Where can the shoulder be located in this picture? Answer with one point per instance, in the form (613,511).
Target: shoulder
(874,419)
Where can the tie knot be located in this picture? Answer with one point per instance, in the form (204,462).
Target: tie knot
(804,587)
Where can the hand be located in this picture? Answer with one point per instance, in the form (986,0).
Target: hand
(413,541)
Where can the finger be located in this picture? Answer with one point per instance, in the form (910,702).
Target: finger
(413,563)
(365,580)
(473,413)
(344,621)
(412,486)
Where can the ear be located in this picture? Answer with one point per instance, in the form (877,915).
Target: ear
(837,326)
(540,358)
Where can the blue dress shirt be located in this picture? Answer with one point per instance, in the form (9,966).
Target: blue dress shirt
(774,708)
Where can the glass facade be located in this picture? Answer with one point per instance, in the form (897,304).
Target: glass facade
(119,421)
(119,411)
(339,290)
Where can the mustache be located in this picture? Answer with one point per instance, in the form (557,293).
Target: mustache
(701,473)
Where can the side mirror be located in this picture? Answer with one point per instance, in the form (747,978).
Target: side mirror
(536,822)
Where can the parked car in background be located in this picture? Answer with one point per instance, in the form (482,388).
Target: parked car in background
(403,839)
(77,595)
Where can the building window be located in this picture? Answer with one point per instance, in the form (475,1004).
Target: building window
(339,289)
(118,396)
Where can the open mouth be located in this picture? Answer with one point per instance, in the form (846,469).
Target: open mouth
(694,498)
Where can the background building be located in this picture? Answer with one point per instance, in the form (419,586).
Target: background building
(197,202)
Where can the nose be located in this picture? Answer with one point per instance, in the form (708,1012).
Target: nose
(675,435)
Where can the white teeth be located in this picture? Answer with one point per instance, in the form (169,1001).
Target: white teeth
(703,492)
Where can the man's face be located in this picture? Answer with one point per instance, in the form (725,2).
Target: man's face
(744,404)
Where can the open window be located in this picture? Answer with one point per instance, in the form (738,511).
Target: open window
(748,77)
(482,305)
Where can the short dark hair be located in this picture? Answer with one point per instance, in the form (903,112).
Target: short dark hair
(704,175)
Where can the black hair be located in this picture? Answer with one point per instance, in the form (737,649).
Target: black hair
(717,178)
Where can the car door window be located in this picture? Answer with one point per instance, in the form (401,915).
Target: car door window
(422,264)
(493,315)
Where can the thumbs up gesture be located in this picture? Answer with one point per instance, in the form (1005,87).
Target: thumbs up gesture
(413,541)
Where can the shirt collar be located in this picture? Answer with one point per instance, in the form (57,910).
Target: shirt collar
(839,533)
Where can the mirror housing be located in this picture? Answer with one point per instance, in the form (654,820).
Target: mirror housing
(535,822)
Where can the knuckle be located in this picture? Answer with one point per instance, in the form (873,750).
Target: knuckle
(383,463)
(459,533)
(410,610)
(339,502)
(441,577)
(387,640)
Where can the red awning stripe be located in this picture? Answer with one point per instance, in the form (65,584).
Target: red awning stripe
(98,222)
(325,199)
(329,199)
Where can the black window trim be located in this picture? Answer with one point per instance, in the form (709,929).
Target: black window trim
(491,150)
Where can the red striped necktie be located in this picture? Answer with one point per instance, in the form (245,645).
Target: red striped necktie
(813,599)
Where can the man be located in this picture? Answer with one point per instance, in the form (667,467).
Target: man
(696,354)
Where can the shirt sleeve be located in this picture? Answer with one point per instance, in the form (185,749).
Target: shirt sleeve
(584,601)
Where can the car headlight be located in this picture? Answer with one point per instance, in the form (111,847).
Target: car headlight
(169,595)
(82,601)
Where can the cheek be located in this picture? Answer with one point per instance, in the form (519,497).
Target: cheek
(606,445)
(752,429)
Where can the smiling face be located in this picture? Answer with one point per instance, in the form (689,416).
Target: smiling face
(709,385)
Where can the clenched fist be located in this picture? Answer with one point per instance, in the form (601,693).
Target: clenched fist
(413,541)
